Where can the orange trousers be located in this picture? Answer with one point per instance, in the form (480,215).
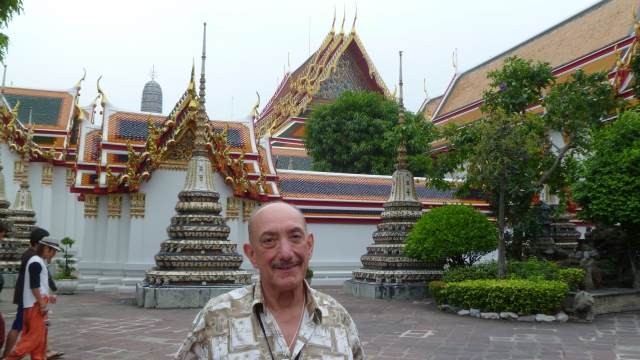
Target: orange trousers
(34,336)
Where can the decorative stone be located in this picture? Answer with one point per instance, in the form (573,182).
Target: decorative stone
(490,315)
(562,317)
(508,315)
(463,312)
(91,205)
(545,318)
(583,307)
(474,312)
(22,219)
(527,318)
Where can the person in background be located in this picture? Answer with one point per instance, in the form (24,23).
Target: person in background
(37,234)
(3,232)
(35,300)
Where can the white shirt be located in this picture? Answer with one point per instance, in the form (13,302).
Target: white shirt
(28,299)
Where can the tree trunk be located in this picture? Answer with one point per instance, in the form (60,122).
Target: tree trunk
(502,258)
(634,267)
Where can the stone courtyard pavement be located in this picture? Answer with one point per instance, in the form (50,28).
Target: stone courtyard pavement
(96,325)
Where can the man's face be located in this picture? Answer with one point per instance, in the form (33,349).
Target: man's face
(48,253)
(280,247)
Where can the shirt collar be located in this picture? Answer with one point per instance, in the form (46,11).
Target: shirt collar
(312,301)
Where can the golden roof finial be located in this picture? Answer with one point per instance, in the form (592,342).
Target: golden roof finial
(636,23)
(104,97)
(426,93)
(289,61)
(344,17)
(153,74)
(454,59)
(254,110)
(333,30)
(3,77)
(81,80)
(353,28)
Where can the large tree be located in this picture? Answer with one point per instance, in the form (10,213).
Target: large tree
(8,8)
(348,135)
(511,154)
(608,191)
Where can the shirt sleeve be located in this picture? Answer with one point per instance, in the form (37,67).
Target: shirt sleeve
(52,284)
(354,340)
(195,346)
(34,275)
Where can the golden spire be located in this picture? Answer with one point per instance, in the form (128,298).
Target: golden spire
(402,148)
(201,115)
(2,89)
(426,93)
(289,62)
(353,28)
(333,30)
(344,17)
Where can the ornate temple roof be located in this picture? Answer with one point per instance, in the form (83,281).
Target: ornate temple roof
(340,63)
(587,40)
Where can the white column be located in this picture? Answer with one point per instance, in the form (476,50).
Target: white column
(87,266)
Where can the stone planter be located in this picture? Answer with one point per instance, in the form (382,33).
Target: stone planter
(66,286)
(309,280)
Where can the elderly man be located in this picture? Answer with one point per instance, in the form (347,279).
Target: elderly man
(279,317)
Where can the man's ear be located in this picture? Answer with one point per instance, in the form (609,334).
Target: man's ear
(250,253)
(310,243)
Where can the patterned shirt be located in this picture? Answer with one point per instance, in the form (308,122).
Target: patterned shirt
(229,328)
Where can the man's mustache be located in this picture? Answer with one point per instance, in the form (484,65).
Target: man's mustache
(286,263)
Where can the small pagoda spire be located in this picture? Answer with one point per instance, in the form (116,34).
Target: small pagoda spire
(153,74)
(402,163)
(201,115)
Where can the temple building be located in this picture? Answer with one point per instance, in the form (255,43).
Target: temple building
(603,37)
(109,177)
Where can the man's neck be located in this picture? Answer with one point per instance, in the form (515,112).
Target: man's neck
(278,301)
(34,247)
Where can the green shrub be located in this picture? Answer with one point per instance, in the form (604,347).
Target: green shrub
(532,269)
(524,296)
(572,276)
(455,233)
(606,264)
(435,288)
(66,266)
(488,270)
(309,273)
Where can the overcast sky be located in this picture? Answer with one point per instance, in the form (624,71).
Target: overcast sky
(248,42)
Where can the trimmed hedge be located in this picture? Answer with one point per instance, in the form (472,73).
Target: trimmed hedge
(516,295)
(533,269)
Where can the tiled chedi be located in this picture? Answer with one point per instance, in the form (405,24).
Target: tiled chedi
(198,252)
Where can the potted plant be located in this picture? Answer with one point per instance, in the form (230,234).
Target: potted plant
(65,280)
(309,275)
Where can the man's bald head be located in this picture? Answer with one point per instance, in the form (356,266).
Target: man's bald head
(274,205)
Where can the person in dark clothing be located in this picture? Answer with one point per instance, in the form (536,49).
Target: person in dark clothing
(3,232)
(34,240)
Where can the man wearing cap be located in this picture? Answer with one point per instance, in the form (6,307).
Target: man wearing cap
(35,302)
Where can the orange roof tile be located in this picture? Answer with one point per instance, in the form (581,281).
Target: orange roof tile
(594,28)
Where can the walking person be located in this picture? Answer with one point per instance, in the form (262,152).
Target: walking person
(35,300)
(36,235)
(3,232)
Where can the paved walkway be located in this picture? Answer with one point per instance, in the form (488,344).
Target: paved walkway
(93,325)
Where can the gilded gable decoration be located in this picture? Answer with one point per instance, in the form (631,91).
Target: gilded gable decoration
(91,205)
(47,175)
(114,205)
(233,208)
(70,177)
(20,171)
(248,206)
(138,203)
